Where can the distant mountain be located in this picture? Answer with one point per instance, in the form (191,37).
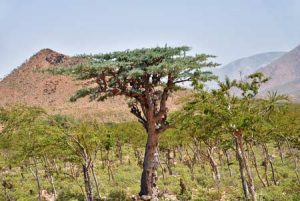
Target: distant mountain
(283,69)
(285,74)
(245,66)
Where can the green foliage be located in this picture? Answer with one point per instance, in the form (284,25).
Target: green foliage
(205,122)
(128,72)
(26,133)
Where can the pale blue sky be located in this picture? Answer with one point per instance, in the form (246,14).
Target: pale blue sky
(229,29)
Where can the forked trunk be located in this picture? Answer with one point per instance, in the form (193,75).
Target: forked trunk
(242,171)
(250,178)
(242,158)
(214,166)
(150,164)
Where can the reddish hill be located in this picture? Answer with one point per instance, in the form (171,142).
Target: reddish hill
(285,74)
(28,85)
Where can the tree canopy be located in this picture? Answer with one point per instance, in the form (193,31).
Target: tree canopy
(146,75)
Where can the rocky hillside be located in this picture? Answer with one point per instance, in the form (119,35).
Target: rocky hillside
(28,85)
(284,74)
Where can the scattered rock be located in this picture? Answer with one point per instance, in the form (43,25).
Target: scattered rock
(134,197)
(47,196)
(168,196)
(55,59)
(146,197)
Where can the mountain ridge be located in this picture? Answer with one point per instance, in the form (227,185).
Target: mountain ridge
(284,74)
(244,66)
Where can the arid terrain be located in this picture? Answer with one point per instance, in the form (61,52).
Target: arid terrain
(29,84)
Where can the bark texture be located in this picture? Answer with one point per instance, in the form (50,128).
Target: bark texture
(151,162)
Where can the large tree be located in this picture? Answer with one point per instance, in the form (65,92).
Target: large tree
(147,76)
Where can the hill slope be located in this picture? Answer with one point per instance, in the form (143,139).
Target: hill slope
(27,85)
(247,65)
(285,74)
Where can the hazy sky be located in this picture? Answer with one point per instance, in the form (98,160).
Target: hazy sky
(229,29)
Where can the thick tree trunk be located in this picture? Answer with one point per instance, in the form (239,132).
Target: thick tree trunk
(149,175)
(87,182)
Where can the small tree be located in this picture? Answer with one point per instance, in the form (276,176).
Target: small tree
(146,76)
(212,116)
(244,115)
(81,141)
(27,138)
